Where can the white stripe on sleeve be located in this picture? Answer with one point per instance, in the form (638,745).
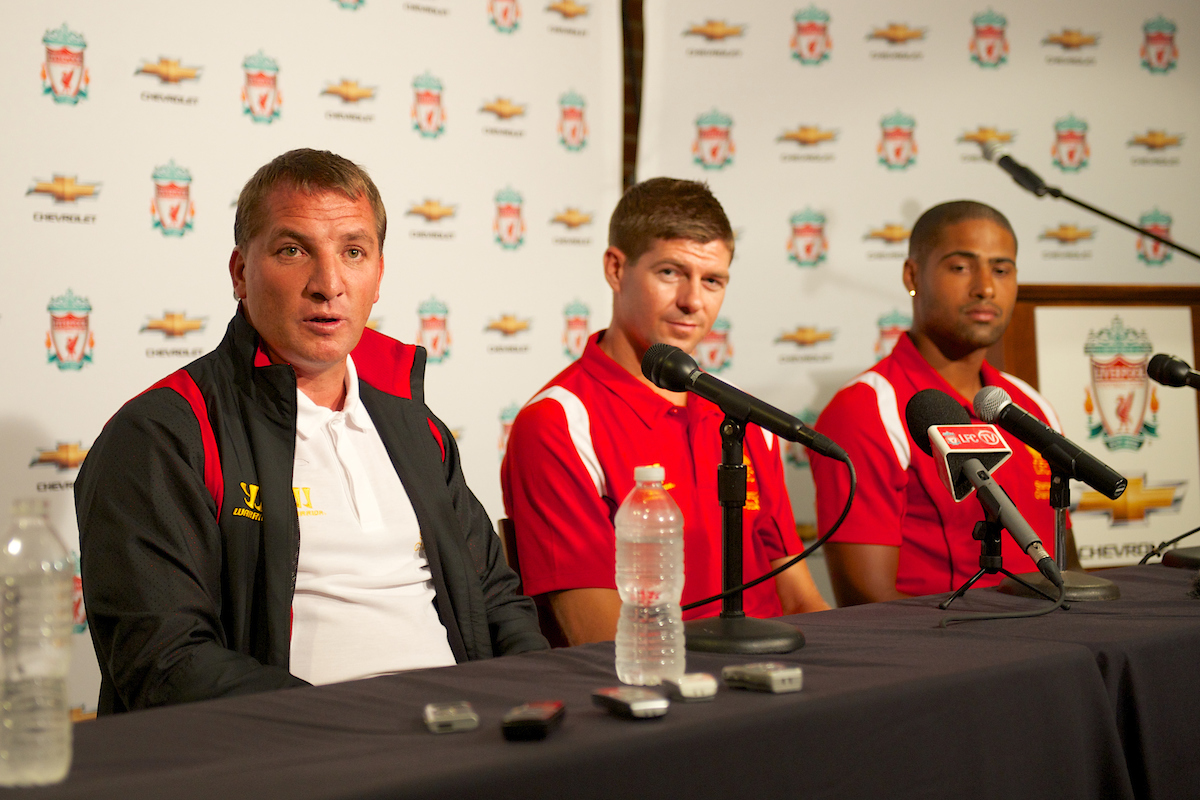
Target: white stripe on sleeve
(580,429)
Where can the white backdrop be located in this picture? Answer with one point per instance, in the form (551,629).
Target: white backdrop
(449,105)
(826,129)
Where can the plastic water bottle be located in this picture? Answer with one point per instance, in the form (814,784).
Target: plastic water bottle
(650,643)
(36,583)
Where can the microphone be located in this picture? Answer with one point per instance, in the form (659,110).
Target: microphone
(1172,371)
(993,404)
(963,448)
(668,367)
(1027,178)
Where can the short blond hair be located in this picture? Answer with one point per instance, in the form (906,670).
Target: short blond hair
(310,171)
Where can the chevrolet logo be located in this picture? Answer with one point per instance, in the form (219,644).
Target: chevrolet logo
(983,135)
(572,218)
(503,108)
(168,71)
(890,233)
(508,325)
(432,210)
(568,8)
(1155,140)
(1067,234)
(65,456)
(1137,501)
(1071,39)
(715,30)
(64,189)
(807,135)
(174,324)
(897,33)
(350,91)
(805,337)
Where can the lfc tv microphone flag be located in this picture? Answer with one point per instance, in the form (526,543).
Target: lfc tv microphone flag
(937,422)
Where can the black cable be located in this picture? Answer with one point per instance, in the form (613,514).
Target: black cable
(1059,603)
(1163,545)
(807,552)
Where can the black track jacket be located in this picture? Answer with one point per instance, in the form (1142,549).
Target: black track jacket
(189,536)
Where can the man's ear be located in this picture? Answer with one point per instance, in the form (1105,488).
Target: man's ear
(909,275)
(237,273)
(380,281)
(615,264)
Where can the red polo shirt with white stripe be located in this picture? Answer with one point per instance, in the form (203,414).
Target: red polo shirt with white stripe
(900,499)
(569,465)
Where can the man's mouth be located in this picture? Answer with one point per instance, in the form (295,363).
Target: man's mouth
(983,313)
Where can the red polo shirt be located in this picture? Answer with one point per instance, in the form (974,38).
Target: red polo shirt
(569,465)
(900,499)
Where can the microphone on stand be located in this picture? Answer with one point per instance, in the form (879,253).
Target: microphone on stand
(1172,371)
(1023,175)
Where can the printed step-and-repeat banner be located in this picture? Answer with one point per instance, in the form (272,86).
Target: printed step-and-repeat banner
(492,127)
(826,128)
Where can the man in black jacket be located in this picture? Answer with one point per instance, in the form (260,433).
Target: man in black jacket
(196,499)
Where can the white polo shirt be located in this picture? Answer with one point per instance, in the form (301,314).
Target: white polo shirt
(363,604)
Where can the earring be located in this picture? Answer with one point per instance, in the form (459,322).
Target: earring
(912,292)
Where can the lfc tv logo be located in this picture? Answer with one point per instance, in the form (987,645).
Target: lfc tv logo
(509,226)
(434,335)
(260,92)
(989,45)
(896,149)
(1159,52)
(713,149)
(172,209)
(1070,152)
(1152,252)
(714,352)
(63,75)
(1120,391)
(429,118)
(572,128)
(69,341)
(811,43)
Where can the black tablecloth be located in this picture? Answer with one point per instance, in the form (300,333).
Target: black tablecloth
(1084,703)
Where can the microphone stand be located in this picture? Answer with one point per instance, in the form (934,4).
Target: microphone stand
(1079,585)
(988,532)
(733,631)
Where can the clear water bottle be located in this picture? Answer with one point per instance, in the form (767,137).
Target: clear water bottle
(36,585)
(650,643)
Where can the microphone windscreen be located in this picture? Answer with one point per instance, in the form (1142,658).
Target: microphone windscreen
(668,367)
(932,407)
(989,402)
(1168,370)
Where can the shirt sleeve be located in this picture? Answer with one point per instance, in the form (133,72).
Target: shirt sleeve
(775,524)
(562,517)
(852,419)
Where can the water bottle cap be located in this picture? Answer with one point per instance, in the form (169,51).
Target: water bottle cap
(648,474)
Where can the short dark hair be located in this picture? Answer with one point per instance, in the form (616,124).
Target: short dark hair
(309,171)
(667,208)
(925,234)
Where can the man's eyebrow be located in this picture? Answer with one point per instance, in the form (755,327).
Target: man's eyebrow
(974,255)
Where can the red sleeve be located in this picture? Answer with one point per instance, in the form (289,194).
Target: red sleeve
(852,420)
(775,524)
(563,524)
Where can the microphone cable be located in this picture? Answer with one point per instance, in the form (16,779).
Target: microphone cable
(1061,602)
(1164,545)
(808,551)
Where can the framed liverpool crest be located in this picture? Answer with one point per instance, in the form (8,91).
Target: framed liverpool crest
(1086,348)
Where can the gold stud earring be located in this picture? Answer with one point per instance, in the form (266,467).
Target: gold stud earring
(912,292)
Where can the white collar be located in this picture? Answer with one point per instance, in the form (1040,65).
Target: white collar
(310,417)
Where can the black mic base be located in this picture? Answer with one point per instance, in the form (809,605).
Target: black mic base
(1080,586)
(1182,557)
(745,635)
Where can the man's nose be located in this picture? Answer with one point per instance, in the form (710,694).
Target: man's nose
(688,298)
(326,282)
(984,285)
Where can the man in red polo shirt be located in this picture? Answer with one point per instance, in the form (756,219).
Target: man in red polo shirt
(574,446)
(905,535)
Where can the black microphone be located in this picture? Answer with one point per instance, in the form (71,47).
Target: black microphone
(1022,174)
(1172,371)
(993,404)
(668,367)
(931,408)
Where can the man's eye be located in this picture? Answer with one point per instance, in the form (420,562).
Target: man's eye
(290,250)
(355,252)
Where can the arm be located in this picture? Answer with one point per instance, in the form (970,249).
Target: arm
(798,593)
(863,573)
(151,562)
(587,615)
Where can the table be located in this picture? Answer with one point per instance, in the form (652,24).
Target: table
(1089,703)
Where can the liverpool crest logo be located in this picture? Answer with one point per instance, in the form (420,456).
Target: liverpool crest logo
(63,75)
(810,42)
(172,208)
(1159,52)
(891,327)
(1120,393)
(1070,152)
(989,46)
(505,15)
(575,332)
(434,335)
(896,149)
(807,245)
(1152,252)
(429,118)
(713,149)
(508,415)
(69,341)
(260,92)
(572,129)
(509,226)
(714,352)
